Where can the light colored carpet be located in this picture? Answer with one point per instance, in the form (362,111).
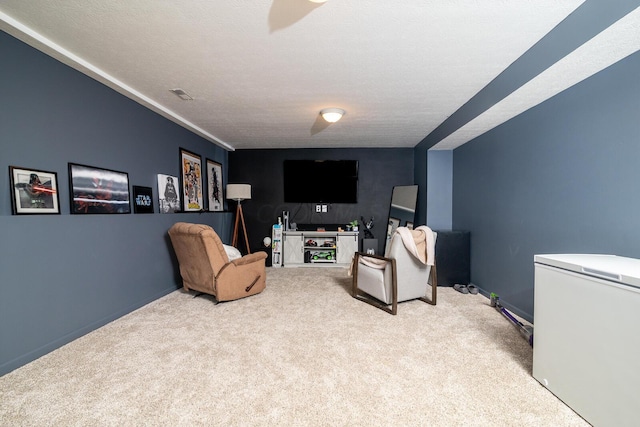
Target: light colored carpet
(302,353)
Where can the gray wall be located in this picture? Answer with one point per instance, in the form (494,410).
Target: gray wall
(420,173)
(380,170)
(440,190)
(62,276)
(560,178)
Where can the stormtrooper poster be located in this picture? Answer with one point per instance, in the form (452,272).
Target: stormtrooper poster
(168,196)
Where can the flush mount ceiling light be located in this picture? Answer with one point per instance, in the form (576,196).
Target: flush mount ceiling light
(332,115)
(317,1)
(181,94)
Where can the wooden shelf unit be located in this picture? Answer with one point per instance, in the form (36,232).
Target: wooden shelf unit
(319,248)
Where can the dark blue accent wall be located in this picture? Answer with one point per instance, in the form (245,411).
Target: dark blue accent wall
(380,169)
(562,177)
(62,276)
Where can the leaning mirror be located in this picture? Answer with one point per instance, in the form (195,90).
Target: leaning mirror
(402,211)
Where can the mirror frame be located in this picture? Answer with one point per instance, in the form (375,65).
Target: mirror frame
(402,210)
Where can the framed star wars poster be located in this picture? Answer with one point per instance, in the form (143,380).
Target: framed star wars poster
(214,186)
(142,199)
(168,194)
(34,191)
(98,191)
(191,181)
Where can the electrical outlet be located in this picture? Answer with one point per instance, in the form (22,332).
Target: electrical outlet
(318,208)
(324,208)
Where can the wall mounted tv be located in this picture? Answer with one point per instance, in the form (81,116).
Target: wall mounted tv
(320,181)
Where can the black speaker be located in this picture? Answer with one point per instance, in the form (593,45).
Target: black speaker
(368,244)
(453,258)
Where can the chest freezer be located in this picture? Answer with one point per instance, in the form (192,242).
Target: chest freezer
(586,347)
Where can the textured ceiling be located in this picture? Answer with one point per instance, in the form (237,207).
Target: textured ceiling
(260,71)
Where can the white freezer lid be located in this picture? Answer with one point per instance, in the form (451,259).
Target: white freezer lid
(609,267)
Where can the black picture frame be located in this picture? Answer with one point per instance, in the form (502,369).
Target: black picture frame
(215,187)
(191,181)
(33,191)
(142,200)
(94,190)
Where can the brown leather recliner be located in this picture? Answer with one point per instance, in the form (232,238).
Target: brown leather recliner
(205,266)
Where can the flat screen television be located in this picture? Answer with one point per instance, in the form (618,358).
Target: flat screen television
(321,181)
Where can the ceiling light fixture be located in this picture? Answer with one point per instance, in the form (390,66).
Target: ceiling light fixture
(332,115)
(181,94)
(317,1)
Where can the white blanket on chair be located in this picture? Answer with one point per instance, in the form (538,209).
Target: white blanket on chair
(419,242)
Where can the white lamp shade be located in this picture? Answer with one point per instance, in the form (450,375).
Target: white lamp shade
(332,115)
(239,191)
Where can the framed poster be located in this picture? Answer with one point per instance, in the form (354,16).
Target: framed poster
(34,191)
(214,186)
(142,199)
(98,191)
(191,181)
(168,195)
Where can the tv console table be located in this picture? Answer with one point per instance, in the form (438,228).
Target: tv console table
(318,248)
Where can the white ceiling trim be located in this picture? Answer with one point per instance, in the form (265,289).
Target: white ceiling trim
(610,46)
(33,38)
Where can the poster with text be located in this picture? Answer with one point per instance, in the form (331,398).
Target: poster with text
(142,199)
(191,177)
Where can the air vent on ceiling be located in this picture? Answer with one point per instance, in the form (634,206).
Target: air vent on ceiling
(181,94)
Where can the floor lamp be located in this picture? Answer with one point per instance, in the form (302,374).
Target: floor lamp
(239,192)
